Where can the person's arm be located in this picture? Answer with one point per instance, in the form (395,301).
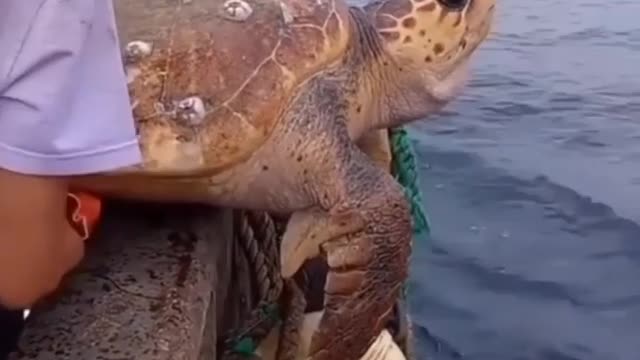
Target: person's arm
(38,246)
(64,110)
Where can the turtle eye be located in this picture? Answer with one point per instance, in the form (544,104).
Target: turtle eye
(454,4)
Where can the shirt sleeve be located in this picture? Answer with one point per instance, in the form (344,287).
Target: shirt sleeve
(64,104)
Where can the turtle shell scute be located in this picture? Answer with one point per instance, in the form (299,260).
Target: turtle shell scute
(242,71)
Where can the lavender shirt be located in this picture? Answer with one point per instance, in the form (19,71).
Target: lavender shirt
(64,106)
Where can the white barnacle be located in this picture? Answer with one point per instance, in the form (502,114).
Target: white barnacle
(286,13)
(191,109)
(237,10)
(136,50)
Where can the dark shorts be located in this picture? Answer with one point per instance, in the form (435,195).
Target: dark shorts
(10,329)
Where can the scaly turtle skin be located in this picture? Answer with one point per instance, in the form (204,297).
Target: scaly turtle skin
(258,104)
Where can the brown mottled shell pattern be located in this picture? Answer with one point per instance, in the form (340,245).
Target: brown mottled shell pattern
(208,79)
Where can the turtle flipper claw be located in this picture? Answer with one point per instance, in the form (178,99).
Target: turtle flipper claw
(307,230)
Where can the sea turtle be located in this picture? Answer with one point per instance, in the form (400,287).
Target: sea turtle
(259,104)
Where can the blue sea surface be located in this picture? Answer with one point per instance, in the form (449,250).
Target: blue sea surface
(532,182)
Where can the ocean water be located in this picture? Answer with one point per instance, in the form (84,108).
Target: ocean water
(532,182)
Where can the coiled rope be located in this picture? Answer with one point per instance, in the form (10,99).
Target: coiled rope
(258,237)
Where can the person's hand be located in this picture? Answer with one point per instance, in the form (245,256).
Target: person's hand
(83,214)
(38,246)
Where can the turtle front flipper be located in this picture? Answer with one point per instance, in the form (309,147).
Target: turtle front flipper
(366,238)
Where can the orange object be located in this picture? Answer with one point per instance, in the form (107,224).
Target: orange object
(83,212)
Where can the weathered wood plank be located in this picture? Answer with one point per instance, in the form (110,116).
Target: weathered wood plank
(144,290)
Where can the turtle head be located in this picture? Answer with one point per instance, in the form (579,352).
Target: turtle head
(428,44)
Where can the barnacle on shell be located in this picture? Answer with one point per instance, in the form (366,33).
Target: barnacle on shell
(191,109)
(137,49)
(237,10)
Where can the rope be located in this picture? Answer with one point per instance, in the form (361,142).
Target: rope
(261,251)
(405,170)
(259,236)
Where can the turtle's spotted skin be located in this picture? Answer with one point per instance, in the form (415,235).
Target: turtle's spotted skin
(259,104)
